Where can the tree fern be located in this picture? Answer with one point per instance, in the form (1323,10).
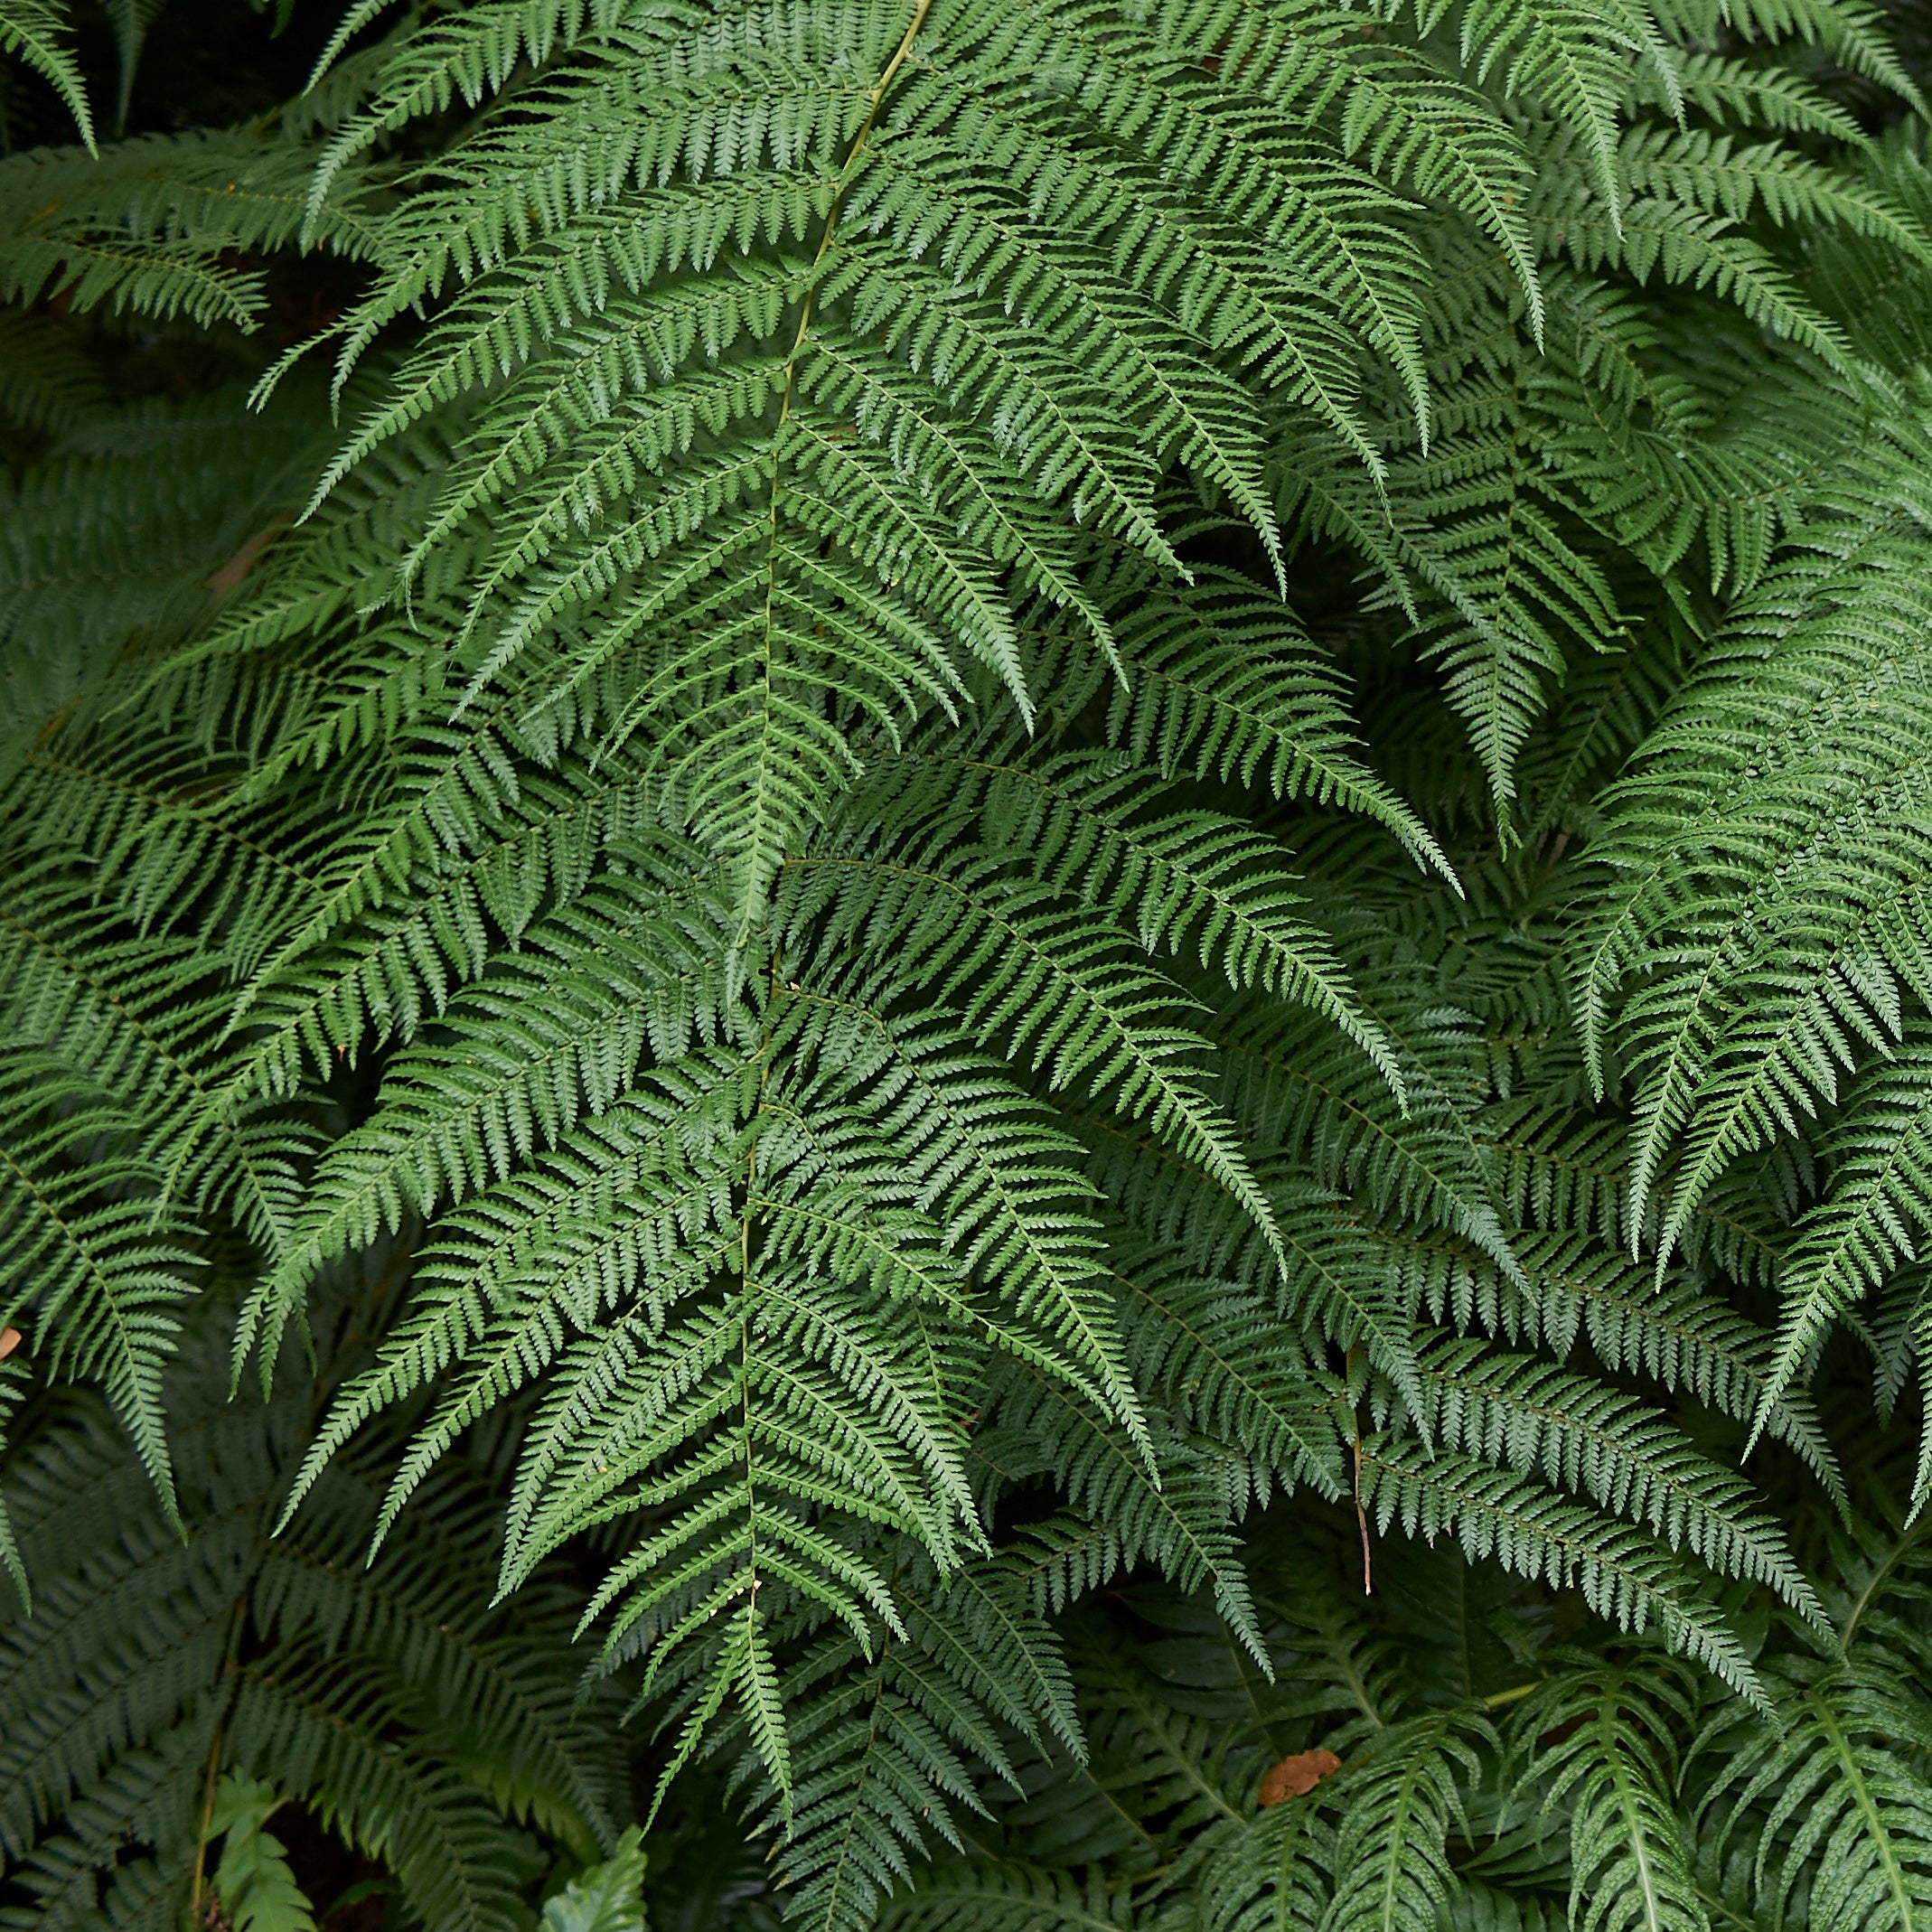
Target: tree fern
(1613,1769)
(1057,913)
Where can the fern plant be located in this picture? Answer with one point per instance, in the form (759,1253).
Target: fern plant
(1489,1761)
(1037,793)
(186,1683)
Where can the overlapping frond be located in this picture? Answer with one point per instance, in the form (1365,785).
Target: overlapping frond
(379,1700)
(1044,792)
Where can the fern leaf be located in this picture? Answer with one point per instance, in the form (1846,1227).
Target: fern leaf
(1870,1218)
(31,29)
(1628,1579)
(1614,1768)
(1391,1856)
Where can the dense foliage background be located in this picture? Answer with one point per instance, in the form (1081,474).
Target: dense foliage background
(981,944)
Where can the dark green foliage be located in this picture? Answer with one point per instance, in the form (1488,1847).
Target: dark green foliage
(1483,1772)
(410,1720)
(1041,820)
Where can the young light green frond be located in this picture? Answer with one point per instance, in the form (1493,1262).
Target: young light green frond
(608,1897)
(253,1882)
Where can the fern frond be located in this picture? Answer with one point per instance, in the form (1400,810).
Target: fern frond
(1837,1807)
(147,224)
(33,31)
(1625,1577)
(1391,1856)
(1274,1873)
(1012,1898)
(1585,1437)
(1613,1767)
(91,1268)
(1873,1214)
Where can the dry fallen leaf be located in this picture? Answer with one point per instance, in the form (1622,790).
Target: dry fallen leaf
(1297,1775)
(10,1339)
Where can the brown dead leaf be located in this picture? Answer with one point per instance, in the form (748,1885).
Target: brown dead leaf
(10,1339)
(1295,1776)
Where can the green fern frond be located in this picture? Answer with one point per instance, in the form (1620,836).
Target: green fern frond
(146,225)
(1627,1579)
(1835,1805)
(174,1660)
(1871,1216)
(253,1882)
(33,31)
(1587,1437)
(1391,1854)
(1041,790)
(1613,1767)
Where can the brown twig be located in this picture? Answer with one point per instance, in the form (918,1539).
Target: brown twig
(1368,1581)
